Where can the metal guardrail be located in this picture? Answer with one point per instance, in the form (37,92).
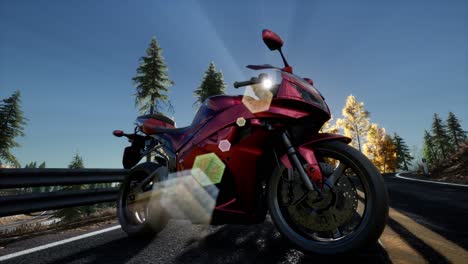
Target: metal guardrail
(18,178)
(33,202)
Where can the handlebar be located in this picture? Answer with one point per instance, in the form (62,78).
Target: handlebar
(253,80)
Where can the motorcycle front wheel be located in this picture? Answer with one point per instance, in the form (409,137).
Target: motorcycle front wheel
(142,217)
(347,216)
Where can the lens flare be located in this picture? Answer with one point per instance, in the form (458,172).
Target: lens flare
(257,99)
(267,83)
(241,121)
(224,145)
(211,166)
(183,196)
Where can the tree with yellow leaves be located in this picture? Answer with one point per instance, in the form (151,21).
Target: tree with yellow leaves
(328,127)
(380,149)
(355,121)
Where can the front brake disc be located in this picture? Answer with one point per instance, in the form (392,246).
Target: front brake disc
(337,207)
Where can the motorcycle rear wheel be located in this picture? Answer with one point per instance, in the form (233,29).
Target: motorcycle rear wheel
(143,218)
(361,227)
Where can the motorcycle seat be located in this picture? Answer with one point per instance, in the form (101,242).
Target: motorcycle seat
(161,117)
(212,106)
(175,136)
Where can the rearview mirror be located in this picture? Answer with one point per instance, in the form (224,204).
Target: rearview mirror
(118,133)
(272,40)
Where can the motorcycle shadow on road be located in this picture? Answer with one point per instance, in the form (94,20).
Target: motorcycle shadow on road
(263,244)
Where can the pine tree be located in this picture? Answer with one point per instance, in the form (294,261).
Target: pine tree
(152,80)
(455,132)
(429,149)
(69,214)
(48,188)
(77,162)
(12,122)
(33,165)
(212,84)
(380,150)
(440,138)
(355,121)
(402,151)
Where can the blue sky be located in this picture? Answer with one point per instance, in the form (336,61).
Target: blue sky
(73,62)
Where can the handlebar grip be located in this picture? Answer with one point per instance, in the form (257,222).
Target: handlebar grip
(240,84)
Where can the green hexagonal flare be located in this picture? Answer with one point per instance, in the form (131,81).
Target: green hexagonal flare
(241,121)
(208,169)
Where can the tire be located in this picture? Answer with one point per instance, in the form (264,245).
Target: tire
(155,217)
(372,221)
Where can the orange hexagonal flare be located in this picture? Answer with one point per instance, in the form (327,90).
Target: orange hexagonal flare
(257,99)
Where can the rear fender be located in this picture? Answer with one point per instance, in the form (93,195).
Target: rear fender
(307,152)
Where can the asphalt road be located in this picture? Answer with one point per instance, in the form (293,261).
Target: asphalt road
(428,224)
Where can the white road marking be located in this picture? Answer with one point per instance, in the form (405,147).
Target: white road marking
(31,250)
(443,183)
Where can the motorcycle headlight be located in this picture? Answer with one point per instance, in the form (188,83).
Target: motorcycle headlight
(267,83)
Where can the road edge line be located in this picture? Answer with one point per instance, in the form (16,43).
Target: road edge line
(61,242)
(442,183)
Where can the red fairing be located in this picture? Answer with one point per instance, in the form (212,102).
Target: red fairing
(221,102)
(287,91)
(223,116)
(241,162)
(283,112)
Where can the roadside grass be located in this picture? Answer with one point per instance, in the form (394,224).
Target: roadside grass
(13,219)
(32,229)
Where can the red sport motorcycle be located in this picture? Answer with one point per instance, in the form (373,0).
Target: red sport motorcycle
(263,153)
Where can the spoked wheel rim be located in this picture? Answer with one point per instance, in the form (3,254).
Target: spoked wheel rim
(305,218)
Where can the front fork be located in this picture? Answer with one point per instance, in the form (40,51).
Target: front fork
(305,175)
